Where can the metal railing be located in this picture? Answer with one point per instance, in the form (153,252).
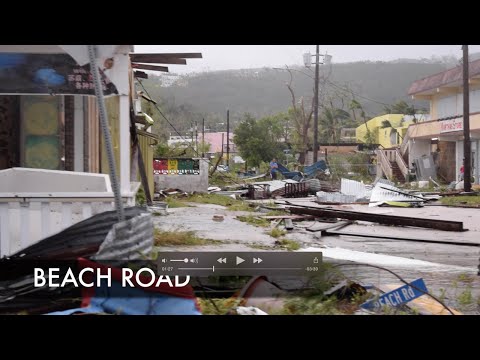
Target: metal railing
(384,164)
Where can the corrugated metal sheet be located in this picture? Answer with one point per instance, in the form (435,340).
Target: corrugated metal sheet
(380,193)
(335,197)
(147,153)
(100,236)
(352,187)
(82,239)
(128,240)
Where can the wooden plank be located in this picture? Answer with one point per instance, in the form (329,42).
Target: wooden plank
(169,55)
(377,218)
(390,237)
(157,59)
(292,217)
(150,67)
(424,304)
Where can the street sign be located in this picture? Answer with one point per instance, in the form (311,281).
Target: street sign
(398,296)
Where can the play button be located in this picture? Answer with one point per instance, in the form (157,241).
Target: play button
(239,260)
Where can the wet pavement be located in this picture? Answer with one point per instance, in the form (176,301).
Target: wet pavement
(449,271)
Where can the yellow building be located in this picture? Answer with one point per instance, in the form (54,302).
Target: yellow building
(387,137)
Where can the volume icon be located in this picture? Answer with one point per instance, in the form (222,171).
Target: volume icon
(222,260)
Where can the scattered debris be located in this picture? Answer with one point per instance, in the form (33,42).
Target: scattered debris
(218,218)
(378,218)
(242,310)
(213,189)
(346,290)
(262,294)
(328,197)
(382,193)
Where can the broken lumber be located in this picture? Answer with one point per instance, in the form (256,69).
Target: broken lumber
(445,225)
(291,217)
(335,232)
(336,226)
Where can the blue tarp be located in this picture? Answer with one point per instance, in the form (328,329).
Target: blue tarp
(308,171)
(134,301)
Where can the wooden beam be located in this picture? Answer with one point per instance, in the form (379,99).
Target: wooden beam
(157,59)
(140,74)
(174,55)
(474,81)
(381,219)
(421,97)
(448,90)
(149,67)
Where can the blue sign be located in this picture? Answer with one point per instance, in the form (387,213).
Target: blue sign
(398,296)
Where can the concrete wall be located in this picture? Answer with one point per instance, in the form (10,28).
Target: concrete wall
(188,183)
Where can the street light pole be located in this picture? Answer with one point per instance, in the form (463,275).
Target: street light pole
(315,109)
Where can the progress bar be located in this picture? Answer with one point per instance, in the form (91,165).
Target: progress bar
(240,263)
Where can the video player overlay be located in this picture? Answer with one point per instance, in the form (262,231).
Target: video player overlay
(271,263)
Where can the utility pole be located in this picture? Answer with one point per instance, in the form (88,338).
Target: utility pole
(222,146)
(315,109)
(228,138)
(196,137)
(467,176)
(203,137)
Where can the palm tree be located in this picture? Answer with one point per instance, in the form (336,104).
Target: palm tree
(332,121)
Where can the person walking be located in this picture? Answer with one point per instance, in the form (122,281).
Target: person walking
(273,169)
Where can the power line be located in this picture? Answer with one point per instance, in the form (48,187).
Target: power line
(181,136)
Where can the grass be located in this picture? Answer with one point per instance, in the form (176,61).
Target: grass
(176,238)
(276,213)
(465,297)
(175,203)
(253,220)
(276,233)
(259,246)
(215,199)
(465,278)
(288,244)
(214,306)
(461,200)
(228,202)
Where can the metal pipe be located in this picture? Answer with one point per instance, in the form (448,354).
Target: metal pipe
(106,132)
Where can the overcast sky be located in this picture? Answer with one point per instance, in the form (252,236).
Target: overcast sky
(223,57)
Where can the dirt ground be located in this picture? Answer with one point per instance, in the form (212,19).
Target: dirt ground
(449,271)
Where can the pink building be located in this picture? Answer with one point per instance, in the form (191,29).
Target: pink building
(215,141)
